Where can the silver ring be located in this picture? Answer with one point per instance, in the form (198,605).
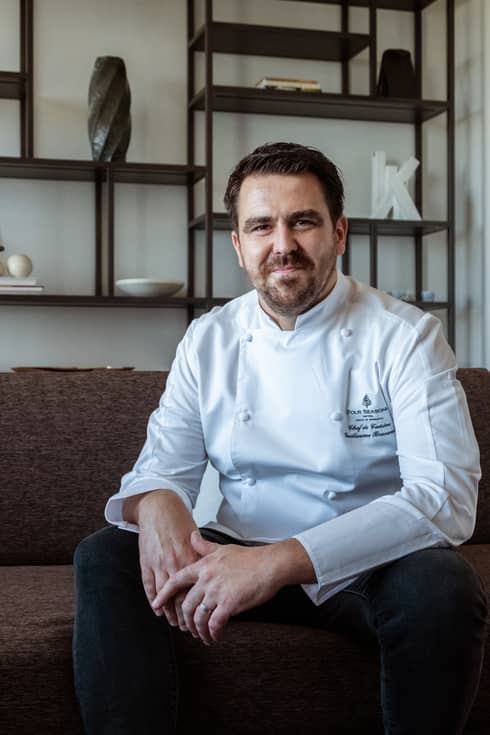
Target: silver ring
(206,609)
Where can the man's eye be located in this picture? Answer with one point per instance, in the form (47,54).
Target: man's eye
(260,228)
(303,222)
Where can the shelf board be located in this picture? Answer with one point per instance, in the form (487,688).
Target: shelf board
(105,301)
(357,225)
(379,4)
(399,228)
(432,305)
(277,41)
(71,170)
(12,85)
(320,105)
(149,173)
(45,168)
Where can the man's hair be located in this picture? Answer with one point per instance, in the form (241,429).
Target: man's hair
(288,159)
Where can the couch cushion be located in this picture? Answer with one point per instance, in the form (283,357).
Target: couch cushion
(36,676)
(67,438)
(262,673)
(476,383)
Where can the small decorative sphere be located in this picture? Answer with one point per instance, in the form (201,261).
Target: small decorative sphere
(19,266)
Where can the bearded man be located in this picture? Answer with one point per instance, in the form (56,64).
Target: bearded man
(348,469)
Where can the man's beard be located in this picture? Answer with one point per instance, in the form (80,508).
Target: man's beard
(291,293)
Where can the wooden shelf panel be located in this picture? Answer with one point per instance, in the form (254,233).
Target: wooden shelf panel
(357,225)
(12,85)
(100,301)
(380,4)
(320,105)
(70,170)
(292,43)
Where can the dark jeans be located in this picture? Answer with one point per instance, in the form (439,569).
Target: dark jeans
(426,612)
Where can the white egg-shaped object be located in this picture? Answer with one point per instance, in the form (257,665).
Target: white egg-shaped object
(19,266)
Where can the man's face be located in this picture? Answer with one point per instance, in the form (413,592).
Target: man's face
(286,241)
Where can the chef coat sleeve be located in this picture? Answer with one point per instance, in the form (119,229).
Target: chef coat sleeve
(439,466)
(173,456)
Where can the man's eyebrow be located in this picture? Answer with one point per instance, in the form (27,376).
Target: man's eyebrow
(252,222)
(312,214)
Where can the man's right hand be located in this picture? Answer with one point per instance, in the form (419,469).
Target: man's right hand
(164,544)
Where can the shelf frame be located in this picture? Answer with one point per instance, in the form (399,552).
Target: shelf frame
(239,38)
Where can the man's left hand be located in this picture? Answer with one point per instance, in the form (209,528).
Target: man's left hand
(226,580)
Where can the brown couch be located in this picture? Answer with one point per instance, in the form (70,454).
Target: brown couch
(65,441)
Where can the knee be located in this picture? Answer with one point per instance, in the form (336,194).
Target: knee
(103,547)
(438,588)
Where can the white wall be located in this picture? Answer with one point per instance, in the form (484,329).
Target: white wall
(53,221)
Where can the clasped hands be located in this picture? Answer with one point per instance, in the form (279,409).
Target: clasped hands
(226,580)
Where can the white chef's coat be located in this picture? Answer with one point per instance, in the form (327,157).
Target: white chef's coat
(349,433)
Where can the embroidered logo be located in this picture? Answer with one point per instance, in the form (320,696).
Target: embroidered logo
(370,421)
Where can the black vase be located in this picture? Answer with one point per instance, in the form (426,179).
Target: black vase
(397,75)
(109,100)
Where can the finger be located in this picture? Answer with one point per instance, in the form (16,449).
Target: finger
(217,621)
(189,603)
(179,581)
(182,622)
(201,620)
(169,609)
(148,579)
(170,613)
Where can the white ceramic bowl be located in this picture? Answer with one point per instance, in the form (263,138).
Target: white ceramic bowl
(148,287)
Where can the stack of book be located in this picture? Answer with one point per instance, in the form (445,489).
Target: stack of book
(9,284)
(289,85)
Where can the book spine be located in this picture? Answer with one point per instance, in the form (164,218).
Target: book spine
(21,289)
(12,281)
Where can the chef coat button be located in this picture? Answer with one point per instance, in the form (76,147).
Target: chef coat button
(346,332)
(249,481)
(244,416)
(248,338)
(336,416)
(332,495)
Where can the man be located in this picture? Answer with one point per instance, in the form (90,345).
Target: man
(348,468)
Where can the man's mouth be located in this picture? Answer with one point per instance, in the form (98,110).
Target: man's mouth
(287,268)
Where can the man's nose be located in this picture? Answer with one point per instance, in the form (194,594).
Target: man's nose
(284,241)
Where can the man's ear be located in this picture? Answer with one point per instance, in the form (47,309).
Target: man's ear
(341,229)
(238,247)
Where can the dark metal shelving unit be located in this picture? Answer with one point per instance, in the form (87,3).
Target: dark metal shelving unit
(237,38)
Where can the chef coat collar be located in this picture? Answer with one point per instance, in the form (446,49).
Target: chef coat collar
(317,315)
